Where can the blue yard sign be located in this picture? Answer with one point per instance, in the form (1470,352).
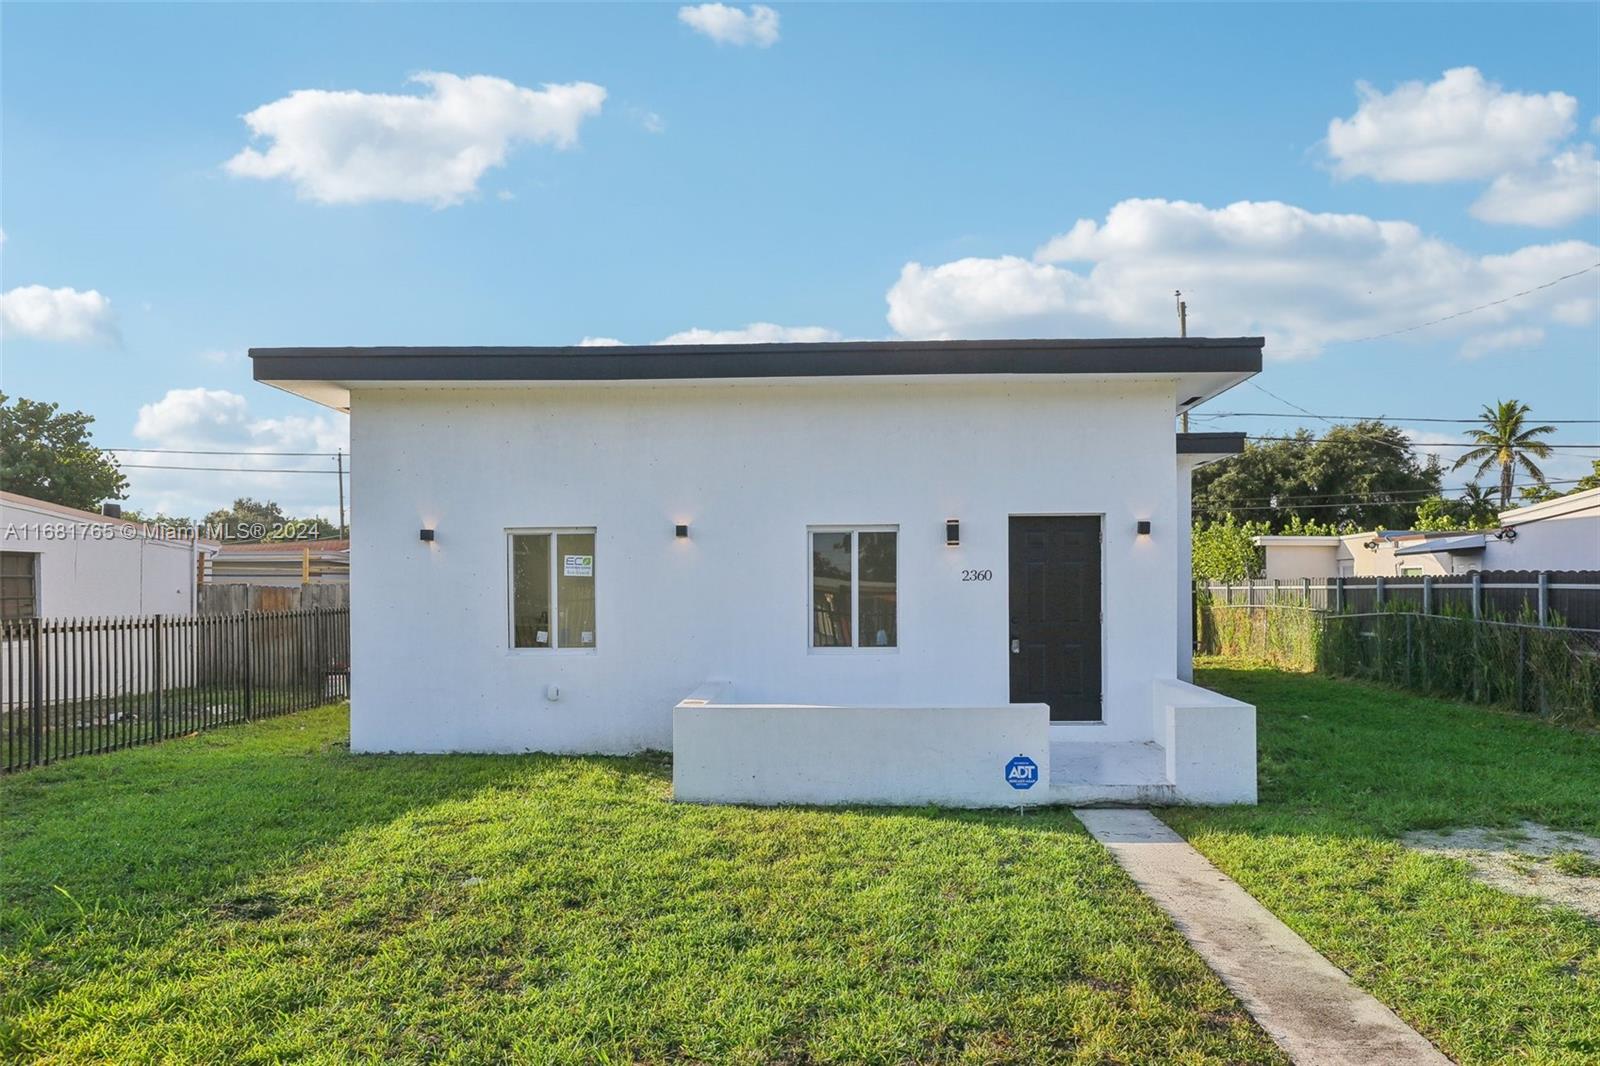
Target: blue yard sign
(1022,772)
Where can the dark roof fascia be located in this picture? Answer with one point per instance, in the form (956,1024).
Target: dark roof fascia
(702,361)
(1210,443)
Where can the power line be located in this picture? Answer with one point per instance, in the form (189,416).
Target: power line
(1396,495)
(1449,317)
(227,469)
(1382,418)
(201,451)
(1429,444)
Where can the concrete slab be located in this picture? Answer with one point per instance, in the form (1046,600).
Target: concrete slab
(1084,772)
(1305,1003)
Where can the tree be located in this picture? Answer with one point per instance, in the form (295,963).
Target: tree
(46,453)
(157,519)
(1478,507)
(1473,510)
(246,520)
(1506,439)
(263,520)
(1540,492)
(1226,550)
(1362,476)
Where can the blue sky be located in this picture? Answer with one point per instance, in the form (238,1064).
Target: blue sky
(832,170)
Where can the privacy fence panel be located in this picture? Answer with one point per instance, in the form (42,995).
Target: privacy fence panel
(227,598)
(81,686)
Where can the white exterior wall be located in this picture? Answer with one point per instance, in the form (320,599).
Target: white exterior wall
(87,567)
(749,467)
(1559,542)
(1291,562)
(774,754)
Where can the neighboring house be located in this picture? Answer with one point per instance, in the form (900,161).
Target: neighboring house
(937,571)
(58,562)
(281,564)
(1558,534)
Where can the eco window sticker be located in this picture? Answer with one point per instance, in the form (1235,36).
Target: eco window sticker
(577,566)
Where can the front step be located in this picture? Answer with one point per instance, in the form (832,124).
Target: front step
(1125,773)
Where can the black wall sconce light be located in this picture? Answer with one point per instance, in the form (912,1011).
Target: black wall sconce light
(426,536)
(680,531)
(952,531)
(1143,527)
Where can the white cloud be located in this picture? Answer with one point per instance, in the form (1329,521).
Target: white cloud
(219,356)
(599,342)
(1558,191)
(1459,127)
(64,314)
(729,25)
(1302,279)
(1426,442)
(219,420)
(754,333)
(354,147)
(1516,338)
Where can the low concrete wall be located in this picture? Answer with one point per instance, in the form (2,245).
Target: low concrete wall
(1210,742)
(767,754)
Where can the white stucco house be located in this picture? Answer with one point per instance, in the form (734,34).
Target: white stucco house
(1562,534)
(60,562)
(948,572)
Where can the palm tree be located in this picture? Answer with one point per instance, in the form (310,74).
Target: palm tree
(1477,503)
(1508,440)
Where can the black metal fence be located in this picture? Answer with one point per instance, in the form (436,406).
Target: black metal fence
(1462,648)
(82,686)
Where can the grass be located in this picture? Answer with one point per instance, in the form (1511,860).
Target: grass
(1346,768)
(258,894)
(1575,864)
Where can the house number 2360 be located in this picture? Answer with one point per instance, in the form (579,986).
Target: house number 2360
(977,575)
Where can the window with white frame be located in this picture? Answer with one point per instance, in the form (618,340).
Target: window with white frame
(854,575)
(552,588)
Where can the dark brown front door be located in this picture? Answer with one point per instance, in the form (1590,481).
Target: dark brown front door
(1055,615)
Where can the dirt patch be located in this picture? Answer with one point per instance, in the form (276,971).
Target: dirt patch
(1555,865)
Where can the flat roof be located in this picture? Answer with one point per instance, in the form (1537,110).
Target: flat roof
(1571,503)
(1203,366)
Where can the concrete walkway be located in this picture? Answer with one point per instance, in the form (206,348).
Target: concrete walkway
(1304,1002)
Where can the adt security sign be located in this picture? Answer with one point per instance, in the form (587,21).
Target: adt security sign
(1022,772)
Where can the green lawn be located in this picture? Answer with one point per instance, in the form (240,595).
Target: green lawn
(1345,769)
(258,894)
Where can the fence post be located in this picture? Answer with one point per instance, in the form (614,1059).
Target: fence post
(1338,594)
(1427,594)
(1227,592)
(1305,592)
(36,692)
(1544,597)
(244,628)
(158,656)
(1377,592)
(1477,594)
(1275,593)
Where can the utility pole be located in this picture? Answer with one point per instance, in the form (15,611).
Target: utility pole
(342,533)
(1183,331)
